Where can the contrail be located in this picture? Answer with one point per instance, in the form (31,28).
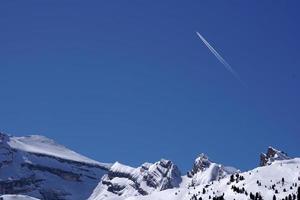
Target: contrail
(220,58)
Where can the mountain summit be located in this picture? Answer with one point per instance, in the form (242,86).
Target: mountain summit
(126,181)
(271,156)
(205,171)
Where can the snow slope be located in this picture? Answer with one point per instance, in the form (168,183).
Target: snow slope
(37,166)
(204,171)
(41,145)
(17,197)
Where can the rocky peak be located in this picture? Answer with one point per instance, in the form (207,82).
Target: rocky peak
(205,171)
(271,156)
(164,174)
(201,163)
(123,180)
(3,138)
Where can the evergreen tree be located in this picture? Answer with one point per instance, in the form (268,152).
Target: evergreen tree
(256,195)
(252,196)
(232,178)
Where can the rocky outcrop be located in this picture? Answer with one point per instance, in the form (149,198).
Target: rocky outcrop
(205,171)
(123,180)
(271,156)
(201,163)
(20,185)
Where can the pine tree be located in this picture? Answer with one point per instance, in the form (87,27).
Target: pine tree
(256,195)
(274,197)
(231,178)
(251,196)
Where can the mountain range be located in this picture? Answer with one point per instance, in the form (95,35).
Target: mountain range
(36,167)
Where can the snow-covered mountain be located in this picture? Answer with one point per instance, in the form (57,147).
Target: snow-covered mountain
(126,181)
(39,167)
(35,167)
(279,180)
(271,156)
(205,171)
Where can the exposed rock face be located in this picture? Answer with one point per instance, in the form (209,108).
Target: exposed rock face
(205,171)
(201,163)
(38,167)
(271,156)
(123,180)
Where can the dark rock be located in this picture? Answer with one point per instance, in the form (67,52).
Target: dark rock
(271,156)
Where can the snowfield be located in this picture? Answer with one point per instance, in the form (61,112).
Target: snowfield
(16,197)
(42,145)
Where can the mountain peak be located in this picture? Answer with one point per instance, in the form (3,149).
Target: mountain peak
(271,156)
(204,171)
(201,163)
(123,180)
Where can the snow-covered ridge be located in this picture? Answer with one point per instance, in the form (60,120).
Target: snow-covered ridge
(271,156)
(279,180)
(126,181)
(42,145)
(122,169)
(204,171)
(36,166)
(209,180)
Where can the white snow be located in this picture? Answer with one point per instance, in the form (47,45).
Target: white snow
(131,181)
(36,165)
(205,171)
(120,168)
(43,145)
(17,197)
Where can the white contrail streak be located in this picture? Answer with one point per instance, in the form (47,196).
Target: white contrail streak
(220,58)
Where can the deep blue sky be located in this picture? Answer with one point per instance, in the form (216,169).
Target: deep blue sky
(130,80)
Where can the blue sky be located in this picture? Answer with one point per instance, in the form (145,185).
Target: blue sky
(131,81)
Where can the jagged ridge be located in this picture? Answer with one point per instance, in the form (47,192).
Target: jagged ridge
(123,180)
